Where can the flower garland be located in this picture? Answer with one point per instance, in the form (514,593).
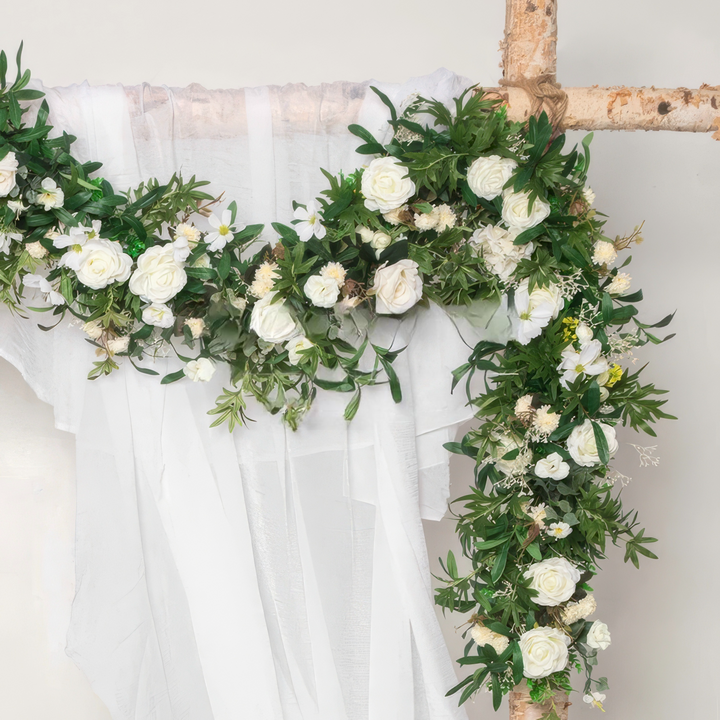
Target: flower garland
(474,207)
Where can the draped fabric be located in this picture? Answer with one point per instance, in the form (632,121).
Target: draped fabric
(265,574)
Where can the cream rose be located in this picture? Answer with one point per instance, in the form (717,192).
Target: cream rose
(554,580)
(272,322)
(506,444)
(159,276)
(118,344)
(553,467)
(294,347)
(322,291)
(159,315)
(582,446)
(8,173)
(397,287)
(487,175)
(516,212)
(386,185)
(599,636)
(544,652)
(102,262)
(200,370)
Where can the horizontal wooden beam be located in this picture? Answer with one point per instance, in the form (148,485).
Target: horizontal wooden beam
(628,108)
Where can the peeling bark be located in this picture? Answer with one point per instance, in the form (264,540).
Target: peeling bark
(522,708)
(627,108)
(529,48)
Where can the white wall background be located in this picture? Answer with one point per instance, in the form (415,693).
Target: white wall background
(663,662)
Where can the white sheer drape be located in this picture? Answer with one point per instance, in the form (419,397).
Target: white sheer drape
(266,574)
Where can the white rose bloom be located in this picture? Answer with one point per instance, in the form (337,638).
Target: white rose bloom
(159,276)
(516,213)
(588,195)
(394,216)
(425,221)
(397,287)
(554,580)
(582,446)
(536,309)
(159,315)
(595,698)
(274,322)
(546,422)
(544,652)
(379,241)
(599,636)
(101,262)
(36,250)
(322,291)
(620,284)
(181,249)
(553,467)
(559,530)
(50,195)
(604,253)
(118,344)
(485,636)
(197,327)
(580,610)
(93,329)
(386,185)
(8,173)
(294,347)
(584,333)
(487,175)
(6,239)
(589,361)
(335,271)
(495,244)
(200,370)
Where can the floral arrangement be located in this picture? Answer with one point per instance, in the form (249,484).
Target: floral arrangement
(472,207)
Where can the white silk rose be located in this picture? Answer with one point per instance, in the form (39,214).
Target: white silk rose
(272,322)
(516,210)
(294,348)
(159,315)
(554,580)
(101,262)
(553,467)
(322,291)
(397,287)
(487,175)
(200,370)
(598,636)
(8,173)
(582,445)
(159,276)
(386,185)
(544,652)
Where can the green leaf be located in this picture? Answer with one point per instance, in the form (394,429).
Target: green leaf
(500,562)
(601,442)
(173,377)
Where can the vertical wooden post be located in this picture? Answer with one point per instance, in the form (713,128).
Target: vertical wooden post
(522,708)
(530,46)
